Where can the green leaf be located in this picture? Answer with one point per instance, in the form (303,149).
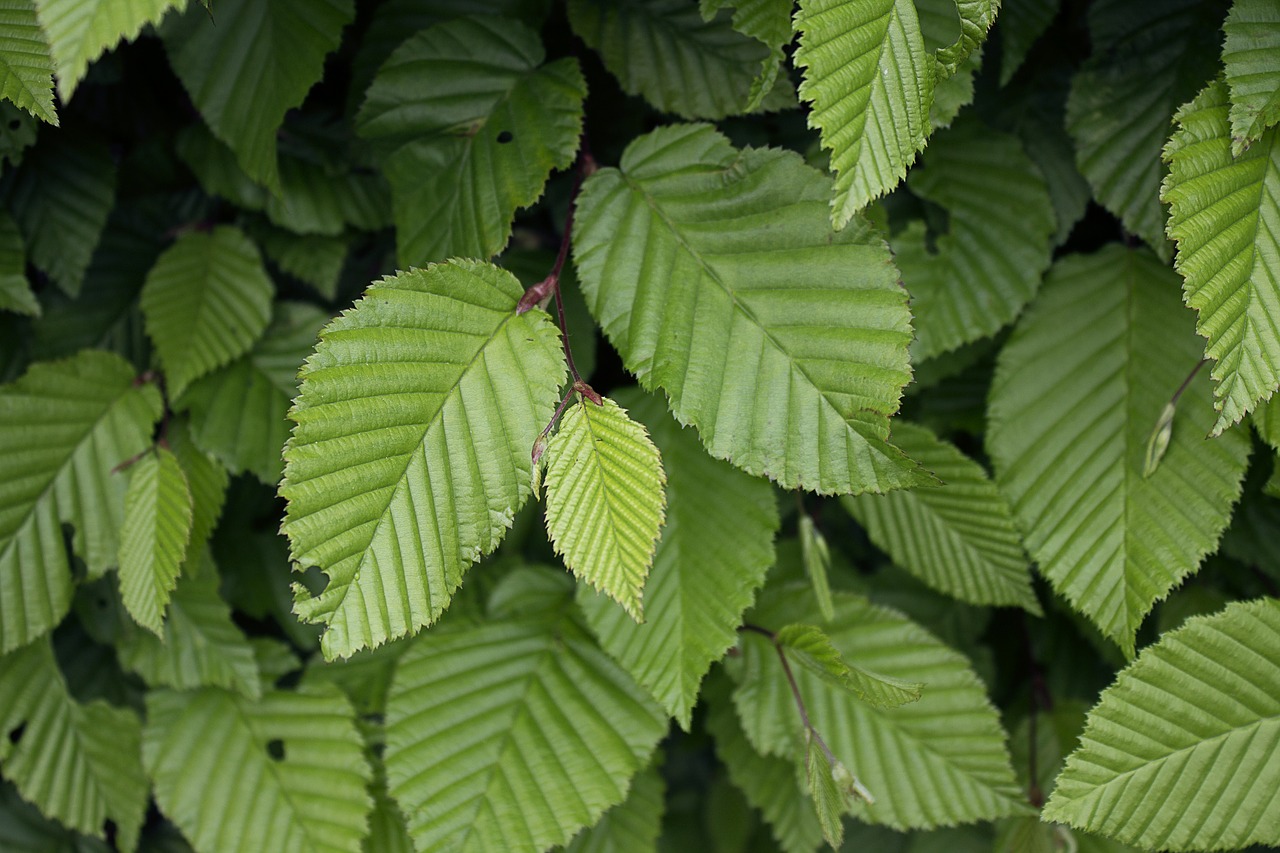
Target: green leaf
(817,563)
(206,478)
(153,542)
(1022,22)
(463,155)
(951,739)
(828,800)
(63,426)
(1248,53)
(958,538)
(766,21)
(712,556)
(279,46)
(1225,216)
(644,42)
(1179,751)
(813,650)
(79,764)
(976,18)
(206,300)
(26,69)
(605,499)
(633,825)
(15,289)
(24,830)
(1148,58)
(238,412)
(527,736)
(230,771)
(312,258)
(870,82)
(1078,388)
(79,32)
(693,252)
(989,263)
(388,492)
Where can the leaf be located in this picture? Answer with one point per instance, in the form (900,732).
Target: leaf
(279,45)
(63,426)
(230,771)
(238,412)
(870,84)
(311,258)
(527,736)
(1022,23)
(989,263)
(79,32)
(206,300)
(712,556)
(465,154)
(643,42)
(1076,392)
(79,764)
(693,251)
(206,478)
(26,69)
(813,650)
(976,18)
(15,289)
(817,563)
(959,538)
(24,830)
(1252,38)
(1225,217)
(828,800)
(766,21)
(605,499)
(1147,59)
(153,542)
(369,502)
(633,825)
(1178,752)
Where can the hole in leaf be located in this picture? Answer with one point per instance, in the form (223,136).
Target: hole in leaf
(109,831)
(16,734)
(505,137)
(275,748)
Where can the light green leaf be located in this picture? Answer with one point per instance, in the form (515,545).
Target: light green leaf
(1248,53)
(1148,58)
(63,426)
(998,244)
(633,825)
(976,18)
(1022,22)
(817,563)
(527,736)
(388,492)
(766,21)
(15,289)
(153,542)
(1225,216)
(712,556)
(664,51)
(206,300)
(79,764)
(26,69)
(79,31)
(813,650)
(228,770)
(870,82)
(464,154)
(1077,390)
(606,499)
(959,538)
(238,412)
(705,266)
(278,45)
(206,478)
(951,739)
(1179,751)
(828,800)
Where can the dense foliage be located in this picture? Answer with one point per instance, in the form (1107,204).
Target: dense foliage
(720,426)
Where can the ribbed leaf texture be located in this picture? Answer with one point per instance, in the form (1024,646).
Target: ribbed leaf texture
(238,412)
(1147,60)
(1078,389)
(712,556)
(24,830)
(605,499)
(206,300)
(812,649)
(951,739)
(988,265)
(527,736)
(26,68)
(411,450)
(63,426)
(153,541)
(79,31)
(79,764)
(1179,753)
(285,773)
(1225,216)
(816,556)
(633,825)
(1248,53)
(766,21)
(870,83)
(707,266)
(642,42)
(1022,22)
(465,153)
(312,258)
(279,47)
(206,478)
(976,18)
(959,538)
(15,289)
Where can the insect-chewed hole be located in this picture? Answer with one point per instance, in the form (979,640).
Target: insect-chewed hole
(15,735)
(505,137)
(109,832)
(275,748)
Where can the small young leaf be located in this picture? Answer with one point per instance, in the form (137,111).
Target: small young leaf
(1158,443)
(766,21)
(153,543)
(828,800)
(813,650)
(817,564)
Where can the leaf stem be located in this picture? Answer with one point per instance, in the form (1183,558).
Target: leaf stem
(795,689)
(1173,401)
